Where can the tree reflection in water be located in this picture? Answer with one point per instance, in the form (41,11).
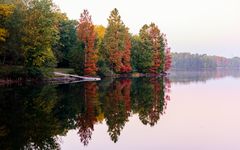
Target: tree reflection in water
(87,119)
(32,117)
(117,106)
(120,98)
(27,119)
(148,98)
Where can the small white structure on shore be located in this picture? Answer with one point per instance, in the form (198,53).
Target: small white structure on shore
(78,77)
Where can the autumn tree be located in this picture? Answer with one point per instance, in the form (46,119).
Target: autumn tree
(104,68)
(168,59)
(116,43)
(167,54)
(87,35)
(100,31)
(126,56)
(142,57)
(148,50)
(156,41)
(5,11)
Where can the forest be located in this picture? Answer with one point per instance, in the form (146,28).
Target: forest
(187,61)
(36,37)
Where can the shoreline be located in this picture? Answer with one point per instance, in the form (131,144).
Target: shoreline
(66,80)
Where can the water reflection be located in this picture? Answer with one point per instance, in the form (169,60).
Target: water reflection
(32,117)
(28,119)
(186,77)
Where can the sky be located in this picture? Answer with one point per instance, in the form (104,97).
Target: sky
(196,26)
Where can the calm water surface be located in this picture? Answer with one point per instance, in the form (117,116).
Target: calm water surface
(188,110)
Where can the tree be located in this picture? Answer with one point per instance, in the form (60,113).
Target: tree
(5,11)
(150,53)
(114,41)
(100,31)
(168,57)
(103,62)
(39,34)
(76,58)
(87,35)
(68,39)
(144,53)
(126,56)
(157,48)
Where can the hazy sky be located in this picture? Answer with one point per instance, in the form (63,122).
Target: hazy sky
(196,26)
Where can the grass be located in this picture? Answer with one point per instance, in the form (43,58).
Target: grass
(64,70)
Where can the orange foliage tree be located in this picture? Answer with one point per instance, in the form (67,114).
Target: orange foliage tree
(168,57)
(126,56)
(155,38)
(117,44)
(86,34)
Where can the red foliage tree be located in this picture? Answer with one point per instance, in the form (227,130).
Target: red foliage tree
(86,34)
(155,38)
(115,59)
(126,56)
(168,57)
(117,44)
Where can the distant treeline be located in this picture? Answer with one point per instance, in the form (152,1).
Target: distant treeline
(188,61)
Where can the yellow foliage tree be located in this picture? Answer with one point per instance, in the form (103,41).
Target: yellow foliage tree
(5,11)
(100,31)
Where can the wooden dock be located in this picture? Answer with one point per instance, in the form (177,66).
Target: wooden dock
(82,78)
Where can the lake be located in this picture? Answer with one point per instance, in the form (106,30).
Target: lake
(188,110)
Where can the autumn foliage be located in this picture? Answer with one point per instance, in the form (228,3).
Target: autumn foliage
(39,37)
(168,57)
(117,44)
(155,37)
(87,35)
(126,56)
